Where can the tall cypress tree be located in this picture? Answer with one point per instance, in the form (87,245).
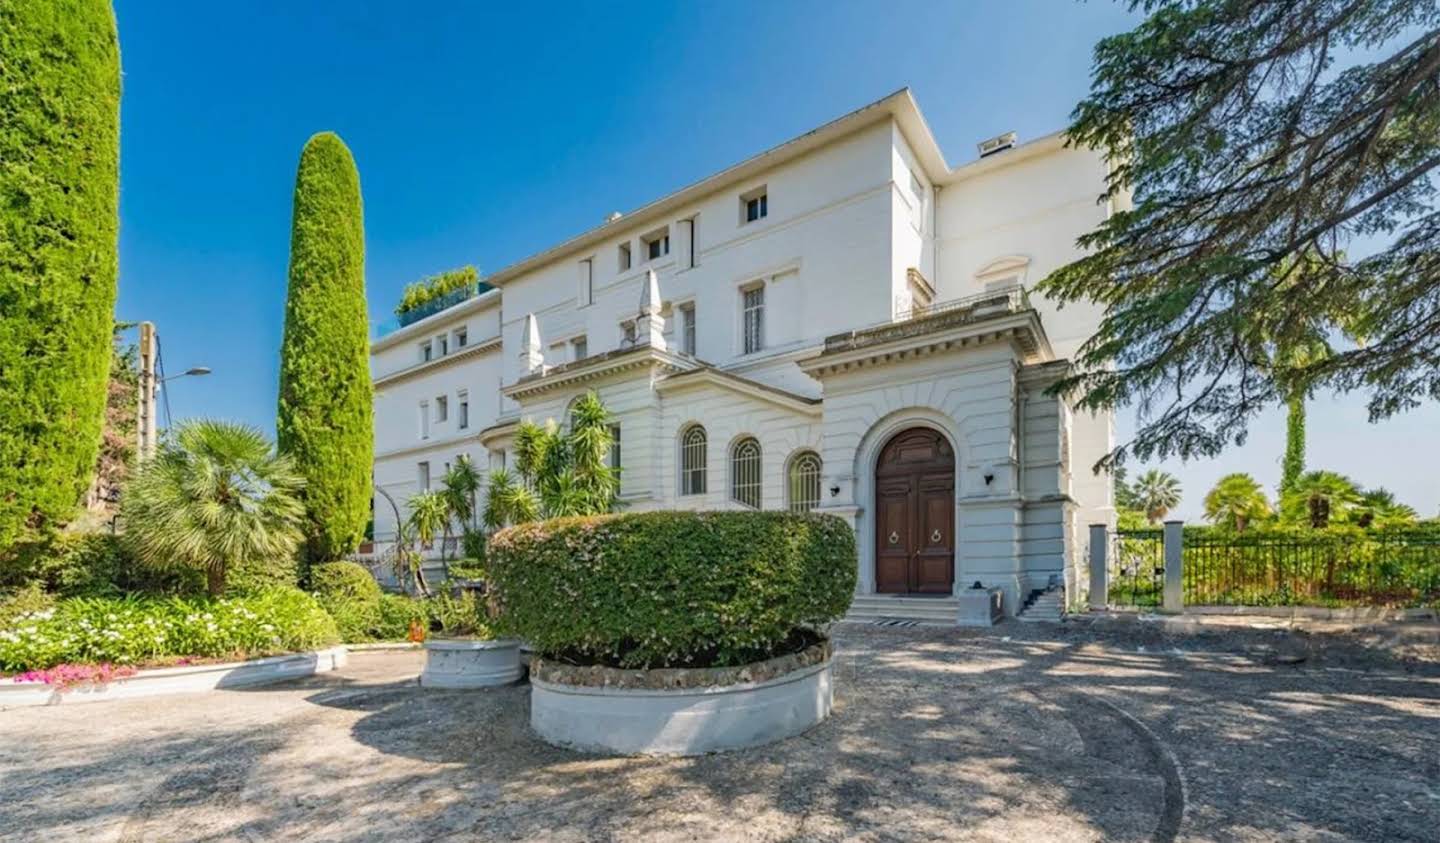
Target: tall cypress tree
(325,414)
(59,200)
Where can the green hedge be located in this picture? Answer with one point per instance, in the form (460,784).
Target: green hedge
(134,630)
(325,414)
(351,596)
(59,188)
(671,588)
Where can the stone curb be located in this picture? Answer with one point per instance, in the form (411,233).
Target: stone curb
(166,681)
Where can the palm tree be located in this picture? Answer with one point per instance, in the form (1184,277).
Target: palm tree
(216,493)
(1157,492)
(1378,508)
(1320,498)
(1235,501)
(428,515)
(559,473)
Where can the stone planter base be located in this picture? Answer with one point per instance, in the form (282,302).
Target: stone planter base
(457,663)
(677,720)
(165,681)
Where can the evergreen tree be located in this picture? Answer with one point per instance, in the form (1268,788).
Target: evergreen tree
(1252,135)
(59,187)
(325,413)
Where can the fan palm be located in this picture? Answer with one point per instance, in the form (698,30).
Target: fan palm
(1235,501)
(1157,492)
(1320,498)
(216,493)
(1378,508)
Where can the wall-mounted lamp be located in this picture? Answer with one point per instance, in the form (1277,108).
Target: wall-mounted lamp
(989,478)
(834,491)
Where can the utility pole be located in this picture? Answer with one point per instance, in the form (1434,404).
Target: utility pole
(145,428)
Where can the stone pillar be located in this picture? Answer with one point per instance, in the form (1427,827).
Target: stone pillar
(1174,593)
(650,326)
(532,354)
(1099,573)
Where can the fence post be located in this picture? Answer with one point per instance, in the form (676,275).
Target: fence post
(1174,557)
(1099,573)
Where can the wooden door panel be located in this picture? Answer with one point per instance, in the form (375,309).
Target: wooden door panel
(935,562)
(892,540)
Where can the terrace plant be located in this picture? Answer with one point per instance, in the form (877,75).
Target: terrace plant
(417,294)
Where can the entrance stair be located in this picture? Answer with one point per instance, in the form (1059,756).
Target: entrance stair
(904,609)
(1047,606)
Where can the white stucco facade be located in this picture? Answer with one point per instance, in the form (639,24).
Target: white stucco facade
(815,301)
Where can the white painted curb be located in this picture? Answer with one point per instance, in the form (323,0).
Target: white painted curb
(457,663)
(178,680)
(690,721)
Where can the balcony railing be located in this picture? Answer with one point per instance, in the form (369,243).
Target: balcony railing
(429,308)
(934,317)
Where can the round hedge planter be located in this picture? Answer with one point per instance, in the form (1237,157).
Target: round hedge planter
(680,711)
(459,663)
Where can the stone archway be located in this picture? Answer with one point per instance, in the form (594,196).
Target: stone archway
(915,514)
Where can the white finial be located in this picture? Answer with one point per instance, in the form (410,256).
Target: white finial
(650,327)
(532,356)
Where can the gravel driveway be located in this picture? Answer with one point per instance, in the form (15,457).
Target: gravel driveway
(1022,732)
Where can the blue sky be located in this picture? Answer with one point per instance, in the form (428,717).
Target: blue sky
(485,132)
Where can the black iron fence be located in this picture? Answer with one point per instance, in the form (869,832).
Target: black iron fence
(1361,569)
(1136,568)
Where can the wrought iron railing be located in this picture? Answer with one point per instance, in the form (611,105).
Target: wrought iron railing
(923,319)
(1388,568)
(1136,568)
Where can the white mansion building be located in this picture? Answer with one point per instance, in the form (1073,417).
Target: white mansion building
(839,324)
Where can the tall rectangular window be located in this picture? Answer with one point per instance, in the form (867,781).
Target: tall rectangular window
(587,282)
(462,406)
(427,352)
(444,344)
(753,319)
(687,328)
(461,337)
(424,419)
(422,478)
(442,408)
(624,256)
(689,231)
(579,348)
(615,446)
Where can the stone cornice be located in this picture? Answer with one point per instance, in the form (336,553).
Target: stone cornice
(594,368)
(916,339)
(445,361)
(724,380)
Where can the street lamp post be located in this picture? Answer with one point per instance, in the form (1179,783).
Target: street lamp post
(146,429)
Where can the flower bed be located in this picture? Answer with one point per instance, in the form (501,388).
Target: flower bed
(675,633)
(137,630)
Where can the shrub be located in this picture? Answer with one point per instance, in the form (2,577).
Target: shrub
(420,293)
(351,596)
(458,616)
(671,588)
(398,613)
(134,630)
(89,565)
(59,187)
(324,419)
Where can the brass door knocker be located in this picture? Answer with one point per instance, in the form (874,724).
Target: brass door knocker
(935,536)
(894,537)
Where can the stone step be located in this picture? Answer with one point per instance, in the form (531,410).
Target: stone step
(937,611)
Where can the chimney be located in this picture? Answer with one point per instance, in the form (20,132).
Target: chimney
(997,144)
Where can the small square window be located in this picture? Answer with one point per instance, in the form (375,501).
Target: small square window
(754,206)
(624,256)
(657,245)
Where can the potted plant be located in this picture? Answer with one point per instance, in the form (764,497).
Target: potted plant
(675,633)
(462,650)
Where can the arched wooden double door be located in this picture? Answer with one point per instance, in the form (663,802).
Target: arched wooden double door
(915,514)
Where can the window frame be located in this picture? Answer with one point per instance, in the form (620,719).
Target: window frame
(746,308)
(427,351)
(689,341)
(424,419)
(747,473)
(422,475)
(625,257)
(442,409)
(655,245)
(694,478)
(462,410)
(803,456)
(759,199)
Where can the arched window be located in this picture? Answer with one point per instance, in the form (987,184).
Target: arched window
(745,473)
(692,461)
(804,481)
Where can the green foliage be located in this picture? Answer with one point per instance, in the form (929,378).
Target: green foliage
(215,496)
(59,188)
(460,615)
(351,596)
(429,515)
(325,418)
(397,613)
(1320,499)
(671,588)
(1236,501)
(28,600)
(1124,493)
(1157,492)
(89,565)
(1293,464)
(134,630)
(420,293)
(561,473)
(1378,508)
(1259,140)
